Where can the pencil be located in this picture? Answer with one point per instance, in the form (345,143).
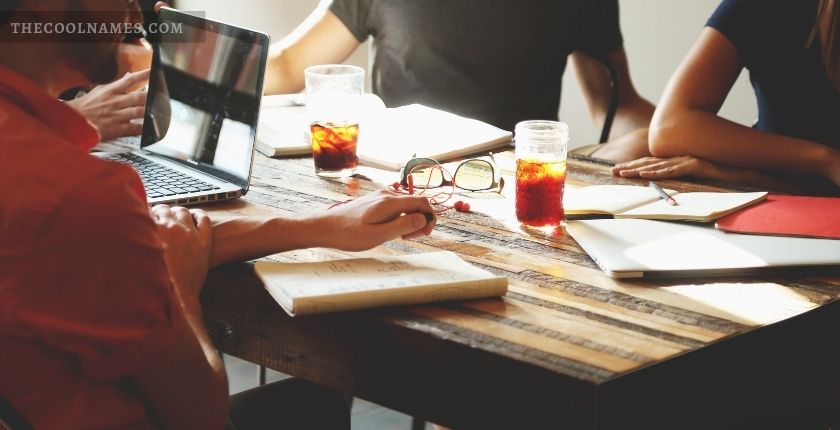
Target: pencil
(662,193)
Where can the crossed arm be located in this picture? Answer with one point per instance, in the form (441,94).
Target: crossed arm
(688,138)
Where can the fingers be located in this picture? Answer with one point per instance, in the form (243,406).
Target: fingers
(154,211)
(165,214)
(130,113)
(664,172)
(160,5)
(125,128)
(634,165)
(131,100)
(425,231)
(202,222)
(132,80)
(663,165)
(183,216)
(390,207)
(162,213)
(407,225)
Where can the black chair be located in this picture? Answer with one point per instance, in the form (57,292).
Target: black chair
(615,95)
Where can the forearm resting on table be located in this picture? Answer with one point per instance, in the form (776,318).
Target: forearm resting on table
(705,135)
(241,239)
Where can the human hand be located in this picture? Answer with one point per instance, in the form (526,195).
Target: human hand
(186,237)
(665,168)
(376,218)
(110,108)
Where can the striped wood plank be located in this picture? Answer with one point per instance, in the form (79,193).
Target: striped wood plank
(561,315)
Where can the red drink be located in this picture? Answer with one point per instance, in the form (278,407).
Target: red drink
(539,192)
(334,146)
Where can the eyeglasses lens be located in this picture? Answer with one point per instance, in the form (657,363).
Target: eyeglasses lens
(474,175)
(426,175)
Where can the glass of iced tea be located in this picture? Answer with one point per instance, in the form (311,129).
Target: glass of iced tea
(540,172)
(334,105)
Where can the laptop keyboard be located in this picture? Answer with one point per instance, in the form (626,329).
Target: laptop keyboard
(159,180)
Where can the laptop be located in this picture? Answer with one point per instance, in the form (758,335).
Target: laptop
(637,248)
(202,111)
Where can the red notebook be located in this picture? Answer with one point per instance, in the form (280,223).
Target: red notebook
(787,216)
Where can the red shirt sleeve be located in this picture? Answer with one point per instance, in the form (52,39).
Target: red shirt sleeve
(102,294)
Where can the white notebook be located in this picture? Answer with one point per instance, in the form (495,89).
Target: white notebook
(629,201)
(634,248)
(283,128)
(343,285)
(397,134)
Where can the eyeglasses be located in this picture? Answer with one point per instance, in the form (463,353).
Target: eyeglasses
(475,174)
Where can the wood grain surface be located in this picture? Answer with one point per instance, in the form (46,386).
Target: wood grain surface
(567,347)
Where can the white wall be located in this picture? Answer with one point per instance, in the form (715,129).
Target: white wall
(657,35)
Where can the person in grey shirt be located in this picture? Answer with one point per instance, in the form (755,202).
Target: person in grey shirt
(498,61)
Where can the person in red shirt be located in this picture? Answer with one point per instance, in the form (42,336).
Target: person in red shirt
(100,322)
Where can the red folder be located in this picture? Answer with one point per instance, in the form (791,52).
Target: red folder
(787,216)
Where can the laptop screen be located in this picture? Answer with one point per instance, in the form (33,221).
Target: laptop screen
(204,95)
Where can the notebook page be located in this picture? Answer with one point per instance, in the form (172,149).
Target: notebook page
(607,199)
(392,137)
(695,206)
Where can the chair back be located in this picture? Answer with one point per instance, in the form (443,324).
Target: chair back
(615,93)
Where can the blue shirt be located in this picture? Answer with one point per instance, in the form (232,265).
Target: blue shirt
(794,94)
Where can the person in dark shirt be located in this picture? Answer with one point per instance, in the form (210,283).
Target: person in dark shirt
(791,49)
(494,60)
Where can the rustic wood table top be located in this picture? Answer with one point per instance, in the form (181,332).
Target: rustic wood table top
(567,347)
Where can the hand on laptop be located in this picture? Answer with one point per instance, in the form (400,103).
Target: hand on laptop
(112,107)
(376,218)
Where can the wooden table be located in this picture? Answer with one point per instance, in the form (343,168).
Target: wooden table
(566,348)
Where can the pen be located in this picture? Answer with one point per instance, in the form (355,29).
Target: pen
(662,193)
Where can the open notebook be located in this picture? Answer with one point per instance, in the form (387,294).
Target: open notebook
(628,201)
(343,285)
